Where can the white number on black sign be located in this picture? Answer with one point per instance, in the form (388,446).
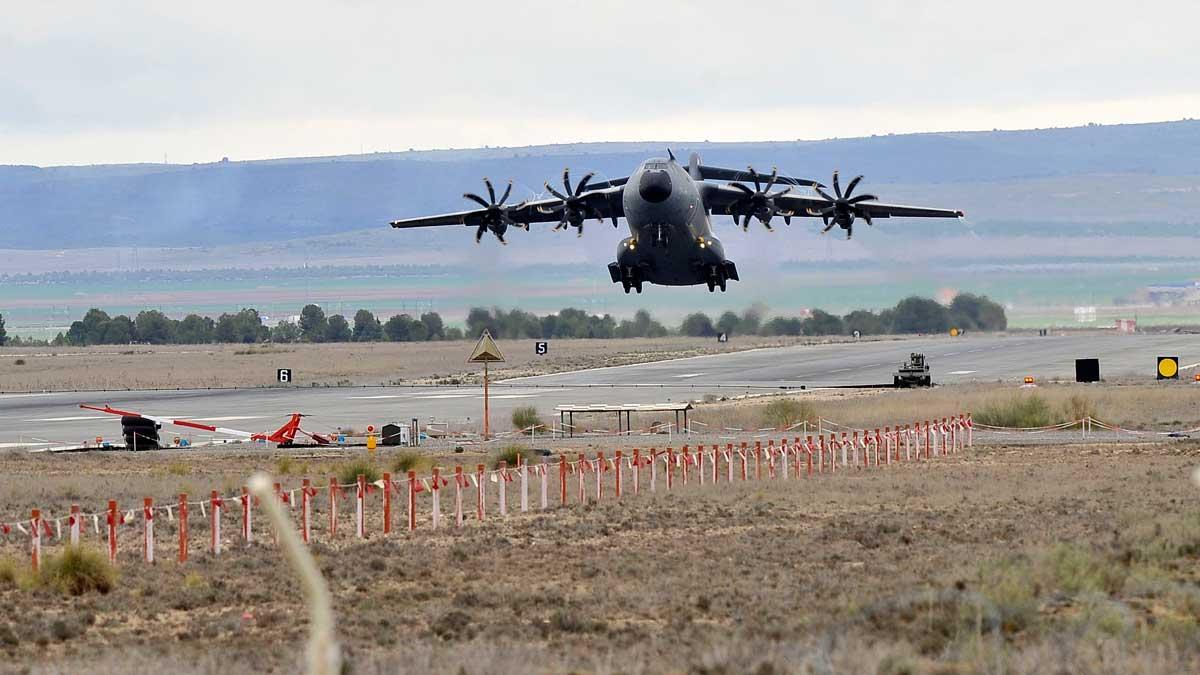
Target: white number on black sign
(541,348)
(284,375)
(723,337)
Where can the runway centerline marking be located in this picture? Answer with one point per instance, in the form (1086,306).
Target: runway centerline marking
(841,370)
(962,372)
(687,375)
(79,418)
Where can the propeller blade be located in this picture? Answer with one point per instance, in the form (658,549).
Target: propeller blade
(828,225)
(741,187)
(780,193)
(787,219)
(851,186)
(867,217)
(745,222)
(479,233)
(554,192)
(861,198)
(567,179)
(476,198)
(579,229)
(849,231)
(491,190)
(828,210)
(824,195)
(500,236)
(507,192)
(771,180)
(837,189)
(583,183)
(754,177)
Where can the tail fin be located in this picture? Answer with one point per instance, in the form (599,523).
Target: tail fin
(694,166)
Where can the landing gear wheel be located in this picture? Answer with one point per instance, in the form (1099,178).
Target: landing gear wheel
(637,286)
(712,285)
(721,283)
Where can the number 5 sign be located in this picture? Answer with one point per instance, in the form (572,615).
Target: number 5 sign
(284,375)
(541,348)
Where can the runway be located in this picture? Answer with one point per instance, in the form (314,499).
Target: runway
(56,417)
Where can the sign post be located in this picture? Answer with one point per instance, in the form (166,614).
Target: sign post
(486,351)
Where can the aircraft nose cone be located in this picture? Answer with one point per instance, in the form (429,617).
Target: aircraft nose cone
(655,186)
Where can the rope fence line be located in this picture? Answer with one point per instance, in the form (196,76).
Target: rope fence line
(587,478)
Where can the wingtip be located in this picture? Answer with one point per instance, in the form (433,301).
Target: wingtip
(961,214)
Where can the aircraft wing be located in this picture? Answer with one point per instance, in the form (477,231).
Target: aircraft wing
(803,205)
(605,203)
(743,176)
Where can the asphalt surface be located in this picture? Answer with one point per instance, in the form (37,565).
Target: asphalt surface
(55,418)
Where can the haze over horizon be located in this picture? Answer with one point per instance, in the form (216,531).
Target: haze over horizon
(90,85)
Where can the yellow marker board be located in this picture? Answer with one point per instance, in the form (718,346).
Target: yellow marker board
(1168,367)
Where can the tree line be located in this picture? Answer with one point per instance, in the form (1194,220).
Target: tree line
(910,315)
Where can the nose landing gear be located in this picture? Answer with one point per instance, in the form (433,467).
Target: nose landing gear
(716,278)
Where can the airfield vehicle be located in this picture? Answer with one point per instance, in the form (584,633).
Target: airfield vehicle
(912,373)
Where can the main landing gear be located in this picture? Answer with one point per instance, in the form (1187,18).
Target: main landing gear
(716,278)
(629,277)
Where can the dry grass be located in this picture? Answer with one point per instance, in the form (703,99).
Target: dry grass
(958,567)
(1135,406)
(171,366)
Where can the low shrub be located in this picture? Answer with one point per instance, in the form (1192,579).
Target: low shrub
(350,471)
(78,570)
(786,412)
(1020,410)
(1077,407)
(525,417)
(407,460)
(510,453)
(284,465)
(9,572)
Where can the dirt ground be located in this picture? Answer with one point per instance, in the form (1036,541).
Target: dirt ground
(1003,559)
(171,366)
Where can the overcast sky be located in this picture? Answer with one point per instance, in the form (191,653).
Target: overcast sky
(129,81)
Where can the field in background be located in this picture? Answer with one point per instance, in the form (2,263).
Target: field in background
(1052,559)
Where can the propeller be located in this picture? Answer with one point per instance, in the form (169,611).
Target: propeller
(759,202)
(497,217)
(574,207)
(842,209)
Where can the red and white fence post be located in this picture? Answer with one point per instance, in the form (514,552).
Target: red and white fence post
(544,476)
(617,477)
(412,501)
(215,525)
(148,529)
(183,527)
(637,470)
(387,503)
(970,431)
(307,491)
(73,525)
(716,454)
(480,492)
(460,482)
(333,500)
(501,475)
(247,532)
(745,461)
(783,456)
(757,460)
(360,507)
(35,538)
(653,470)
(523,471)
(113,521)
(601,467)
(435,493)
(562,480)
(670,468)
(581,467)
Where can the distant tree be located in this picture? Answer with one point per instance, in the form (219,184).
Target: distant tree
(976,312)
(480,319)
(285,331)
(244,327)
(195,330)
(752,319)
(434,328)
(337,329)
(154,327)
(642,325)
(782,325)
(729,323)
(865,322)
(366,327)
(697,325)
(60,340)
(404,328)
(823,323)
(454,333)
(90,330)
(313,324)
(920,315)
(119,330)
(3,333)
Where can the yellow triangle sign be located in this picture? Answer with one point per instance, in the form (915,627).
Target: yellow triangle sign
(486,350)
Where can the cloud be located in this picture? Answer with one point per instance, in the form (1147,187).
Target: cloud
(133,80)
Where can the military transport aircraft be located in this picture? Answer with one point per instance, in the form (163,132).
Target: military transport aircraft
(668,209)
